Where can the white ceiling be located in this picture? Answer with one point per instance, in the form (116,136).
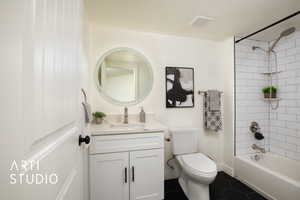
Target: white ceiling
(232,17)
(275,31)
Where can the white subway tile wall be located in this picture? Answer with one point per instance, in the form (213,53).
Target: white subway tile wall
(281,127)
(285,134)
(249,102)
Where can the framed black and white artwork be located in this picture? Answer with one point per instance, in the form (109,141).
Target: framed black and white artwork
(179,87)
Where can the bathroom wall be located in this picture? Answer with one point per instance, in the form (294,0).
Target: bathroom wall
(162,51)
(285,121)
(250,105)
(227,62)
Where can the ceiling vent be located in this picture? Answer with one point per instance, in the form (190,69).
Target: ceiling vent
(200,21)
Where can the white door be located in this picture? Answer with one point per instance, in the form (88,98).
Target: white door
(109,176)
(147,175)
(40,100)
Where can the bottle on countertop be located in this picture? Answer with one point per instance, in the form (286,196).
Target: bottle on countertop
(142,115)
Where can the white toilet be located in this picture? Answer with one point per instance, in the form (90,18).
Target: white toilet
(197,170)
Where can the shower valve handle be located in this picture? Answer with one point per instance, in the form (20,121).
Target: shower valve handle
(254,127)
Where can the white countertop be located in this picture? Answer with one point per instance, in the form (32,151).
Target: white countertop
(131,128)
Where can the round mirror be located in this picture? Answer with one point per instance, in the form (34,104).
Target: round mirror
(124,76)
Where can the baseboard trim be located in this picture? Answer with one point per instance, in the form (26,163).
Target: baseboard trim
(227,169)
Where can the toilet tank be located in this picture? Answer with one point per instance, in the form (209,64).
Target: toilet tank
(184,140)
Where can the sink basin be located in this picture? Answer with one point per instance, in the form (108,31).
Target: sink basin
(120,128)
(109,128)
(127,127)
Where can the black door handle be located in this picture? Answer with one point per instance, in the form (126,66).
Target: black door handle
(85,139)
(125,174)
(132,170)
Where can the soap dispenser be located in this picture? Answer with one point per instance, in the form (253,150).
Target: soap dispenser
(142,116)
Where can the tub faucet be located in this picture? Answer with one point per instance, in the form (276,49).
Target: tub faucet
(125,115)
(256,147)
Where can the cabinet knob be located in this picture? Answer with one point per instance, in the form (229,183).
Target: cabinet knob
(85,139)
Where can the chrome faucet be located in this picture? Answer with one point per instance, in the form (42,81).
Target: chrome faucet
(256,147)
(125,115)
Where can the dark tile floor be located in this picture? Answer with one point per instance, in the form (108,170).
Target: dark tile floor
(224,187)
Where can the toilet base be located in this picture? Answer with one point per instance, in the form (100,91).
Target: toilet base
(194,190)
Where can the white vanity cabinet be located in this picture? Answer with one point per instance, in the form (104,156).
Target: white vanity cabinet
(109,179)
(147,179)
(127,167)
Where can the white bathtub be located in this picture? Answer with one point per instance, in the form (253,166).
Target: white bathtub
(275,177)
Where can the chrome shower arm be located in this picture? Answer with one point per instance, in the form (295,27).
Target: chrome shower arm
(274,44)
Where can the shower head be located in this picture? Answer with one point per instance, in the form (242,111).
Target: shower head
(288,32)
(284,33)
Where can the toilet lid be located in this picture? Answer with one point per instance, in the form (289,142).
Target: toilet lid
(199,162)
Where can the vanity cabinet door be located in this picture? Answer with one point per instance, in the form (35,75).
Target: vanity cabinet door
(147,175)
(109,176)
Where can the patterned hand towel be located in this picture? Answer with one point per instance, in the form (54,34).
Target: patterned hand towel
(212,119)
(214,103)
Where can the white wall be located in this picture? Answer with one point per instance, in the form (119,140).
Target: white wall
(227,64)
(162,51)
(11,55)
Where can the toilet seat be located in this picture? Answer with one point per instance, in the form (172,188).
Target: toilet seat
(198,164)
